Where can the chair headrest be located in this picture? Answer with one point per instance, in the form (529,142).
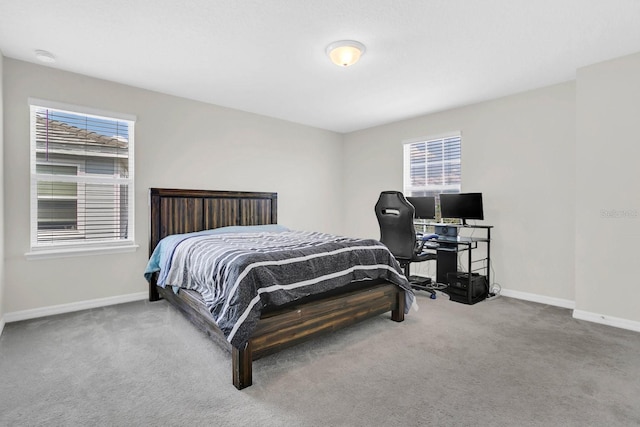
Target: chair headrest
(395,218)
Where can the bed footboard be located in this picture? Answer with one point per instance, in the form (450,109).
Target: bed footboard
(281,329)
(284,328)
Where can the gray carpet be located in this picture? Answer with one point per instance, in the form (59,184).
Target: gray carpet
(503,362)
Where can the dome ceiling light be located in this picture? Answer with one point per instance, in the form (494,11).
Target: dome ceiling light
(345,52)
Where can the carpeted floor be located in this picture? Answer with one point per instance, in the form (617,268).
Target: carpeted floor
(503,362)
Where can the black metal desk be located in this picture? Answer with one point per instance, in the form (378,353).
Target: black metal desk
(447,258)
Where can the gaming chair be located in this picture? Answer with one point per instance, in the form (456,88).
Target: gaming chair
(397,232)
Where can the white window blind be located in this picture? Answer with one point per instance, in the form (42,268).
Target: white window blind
(432,166)
(81,178)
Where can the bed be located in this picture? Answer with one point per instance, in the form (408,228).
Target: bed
(278,325)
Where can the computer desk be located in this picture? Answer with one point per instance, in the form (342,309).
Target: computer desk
(449,247)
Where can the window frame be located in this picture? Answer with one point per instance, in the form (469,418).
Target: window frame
(54,248)
(435,190)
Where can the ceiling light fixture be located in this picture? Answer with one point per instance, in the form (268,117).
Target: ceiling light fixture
(44,56)
(345,52)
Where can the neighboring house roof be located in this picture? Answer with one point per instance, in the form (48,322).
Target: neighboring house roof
(62,137)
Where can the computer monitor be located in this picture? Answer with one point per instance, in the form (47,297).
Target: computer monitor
(425,207)
(461,205)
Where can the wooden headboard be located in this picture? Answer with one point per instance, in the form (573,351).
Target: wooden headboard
(175,211)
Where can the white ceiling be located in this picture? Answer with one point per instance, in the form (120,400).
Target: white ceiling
(268,56)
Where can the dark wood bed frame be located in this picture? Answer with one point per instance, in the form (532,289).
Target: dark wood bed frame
(181,211)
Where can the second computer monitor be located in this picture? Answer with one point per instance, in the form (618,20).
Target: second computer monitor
(425,207)
(463,206)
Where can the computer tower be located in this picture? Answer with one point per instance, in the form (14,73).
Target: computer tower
(467,290)
(447,262)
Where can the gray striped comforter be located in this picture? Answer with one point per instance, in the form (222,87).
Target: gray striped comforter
(238,274)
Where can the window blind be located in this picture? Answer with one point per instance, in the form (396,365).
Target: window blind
(432,166)
(81,178)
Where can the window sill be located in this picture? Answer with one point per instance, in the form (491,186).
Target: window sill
(75,252)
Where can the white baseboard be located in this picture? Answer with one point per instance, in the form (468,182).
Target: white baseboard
(558,302)
(1,324)
(74,306)
(603,319)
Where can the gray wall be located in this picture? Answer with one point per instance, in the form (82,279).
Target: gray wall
(2,244)
(179,144)
(519,152)
(608,191)
(558,167)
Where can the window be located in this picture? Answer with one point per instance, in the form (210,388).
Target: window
(81,178)
(57,201)
(432,166)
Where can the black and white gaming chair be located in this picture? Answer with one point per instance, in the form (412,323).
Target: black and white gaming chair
(395,217)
